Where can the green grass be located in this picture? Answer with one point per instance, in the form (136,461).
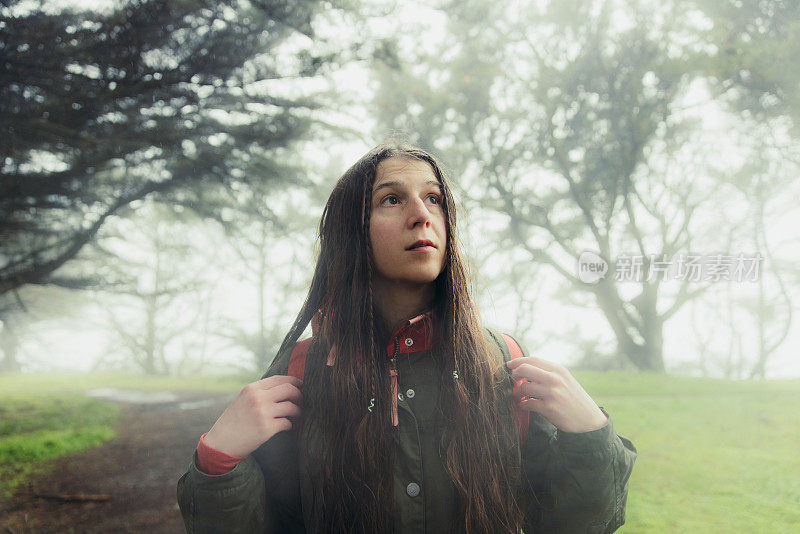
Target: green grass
(35,428)
(714,455)
(43,417)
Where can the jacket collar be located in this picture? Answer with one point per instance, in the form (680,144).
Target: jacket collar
(415,335)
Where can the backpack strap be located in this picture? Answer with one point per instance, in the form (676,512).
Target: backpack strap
(297,367)
(511,350)
(523,417)
(297,361)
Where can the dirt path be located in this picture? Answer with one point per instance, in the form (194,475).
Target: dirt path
(138,470)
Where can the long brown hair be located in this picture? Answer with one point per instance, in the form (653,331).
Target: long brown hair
(481,453)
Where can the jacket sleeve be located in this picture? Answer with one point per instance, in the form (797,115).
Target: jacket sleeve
(239,501)
(577,482)
(232,502)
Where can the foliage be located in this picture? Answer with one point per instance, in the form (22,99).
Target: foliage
(752,54)
(568,118)
(168,99)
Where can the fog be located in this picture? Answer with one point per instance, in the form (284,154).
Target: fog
(610,133)
(626,173)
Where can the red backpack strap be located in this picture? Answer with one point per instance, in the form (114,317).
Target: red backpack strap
(297,361)
(523,417)
(297,367)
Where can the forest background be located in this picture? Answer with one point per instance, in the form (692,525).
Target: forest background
(628,172)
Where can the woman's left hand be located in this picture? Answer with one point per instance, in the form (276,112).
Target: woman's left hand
(555,394)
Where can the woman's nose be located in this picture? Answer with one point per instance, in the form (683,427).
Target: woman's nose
(418,214)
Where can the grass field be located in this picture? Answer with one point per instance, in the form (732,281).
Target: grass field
(715,456)
(36,428)
(45,416)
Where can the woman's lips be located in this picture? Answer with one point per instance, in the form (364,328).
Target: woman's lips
(425,248)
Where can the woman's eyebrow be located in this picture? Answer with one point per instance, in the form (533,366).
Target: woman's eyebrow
(400,185)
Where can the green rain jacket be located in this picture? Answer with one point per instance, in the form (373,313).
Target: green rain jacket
(578,481)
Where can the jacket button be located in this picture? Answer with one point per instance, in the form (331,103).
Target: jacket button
(409,342)
(410,393)
(400,396)
(412,489)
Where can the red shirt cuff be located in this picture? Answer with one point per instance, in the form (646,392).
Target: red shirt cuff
(214,462)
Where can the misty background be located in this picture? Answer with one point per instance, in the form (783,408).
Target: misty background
(627,173)
(163,167)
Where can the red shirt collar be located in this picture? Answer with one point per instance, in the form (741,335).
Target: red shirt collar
(415,335)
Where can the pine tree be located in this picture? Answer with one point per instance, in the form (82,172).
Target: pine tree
(171,100)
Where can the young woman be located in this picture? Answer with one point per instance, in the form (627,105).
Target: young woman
(402,413)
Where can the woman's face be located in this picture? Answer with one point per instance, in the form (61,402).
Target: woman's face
(407,211)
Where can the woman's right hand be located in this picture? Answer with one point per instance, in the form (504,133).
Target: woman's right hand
(261,410)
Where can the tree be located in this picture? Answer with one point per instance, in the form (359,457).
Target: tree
(765,181)
(752,55)
(752,59)
(152,99)
(162,277)
(272,239)
(562,117)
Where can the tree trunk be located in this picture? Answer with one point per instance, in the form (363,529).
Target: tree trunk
(9,344)
(646,355)
(151,311)
(150,336)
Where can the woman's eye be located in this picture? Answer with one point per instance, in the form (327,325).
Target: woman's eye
(391,200)
(436,199)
